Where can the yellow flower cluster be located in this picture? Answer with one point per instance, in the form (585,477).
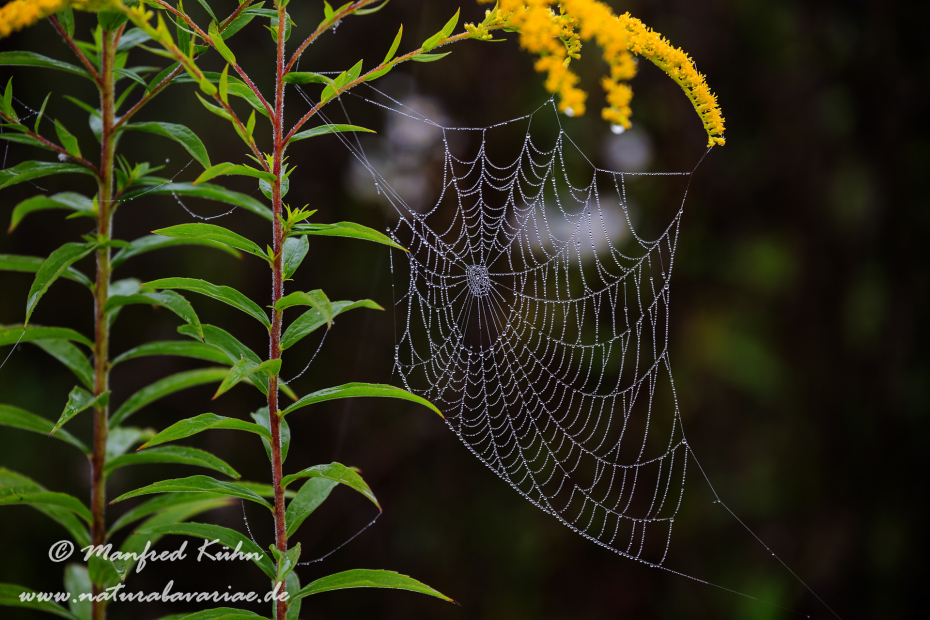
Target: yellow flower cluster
(19,14)
(555,38)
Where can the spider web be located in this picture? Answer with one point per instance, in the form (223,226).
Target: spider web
(536,317)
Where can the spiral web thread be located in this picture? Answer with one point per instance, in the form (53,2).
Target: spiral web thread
(544,341)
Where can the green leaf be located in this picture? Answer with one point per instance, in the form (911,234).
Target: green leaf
(353,390)
(62,516)
(121,438)
(353,73)
(207,191)
(322,130)
(207,8)
(450,25)
(132,75)
(14,333)
(54,265)
(265,490)
(29,59)
(180,348)
(131,38)
(157,242)
(161,503)
(429,57)
(10,496)
(295,249)
(166,299)
(71,357)
(184,455)
(346,229)
(211,232)
(292,587)
(230,169)
(10,597)
(286,562)
(78,401)
(262,419)
(20,418)
(221,112)
(298,77)
(313,319)
(238,88)
(224,294)
(267,190)
(67,140)
(204,422)
(315,299)
(361,578)
(29,170)
(31,264)
(394,45)
(373,9)
(65,200)
(245,368)
(224,85)
(164,387)
(195,484)
(22,138)
(338,473)
(220,44)
(313,493)
(180,134)
(77,580)
(66,19)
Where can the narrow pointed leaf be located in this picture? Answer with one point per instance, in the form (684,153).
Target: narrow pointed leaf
(362,578)
(196,484)
(11,595)
(78,401)
(14,333)
(220,613)
(211,232)
(157,242)
(371,10)
(166,299)
(180,348)
(77,579)
(322,130)
(295,249)
(353,390)
(204,422)
(220,45)
(74,526)
(164,387)
(54,265)
(296,77)
(179,133)
(29,59)
(394,45)
(338,473)
(10,496)
(224,294)
(313,493)
(67,140)
(228,168)
(312,320)
(15,417)
(346,229)
(245,368)
(207,8)
(184,455)
(65,200)
(429,57)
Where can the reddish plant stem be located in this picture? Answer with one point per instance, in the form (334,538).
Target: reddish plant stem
(276,293)
(102,289)
(74,48)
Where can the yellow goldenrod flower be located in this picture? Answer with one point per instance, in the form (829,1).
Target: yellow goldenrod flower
(556,39)
(20,14)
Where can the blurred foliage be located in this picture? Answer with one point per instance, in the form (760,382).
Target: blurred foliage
(799,334)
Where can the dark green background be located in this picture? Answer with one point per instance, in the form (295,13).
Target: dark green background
(798,340)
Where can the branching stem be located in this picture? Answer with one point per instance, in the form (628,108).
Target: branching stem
(77,51)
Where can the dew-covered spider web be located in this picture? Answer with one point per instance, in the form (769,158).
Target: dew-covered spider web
(533,308)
